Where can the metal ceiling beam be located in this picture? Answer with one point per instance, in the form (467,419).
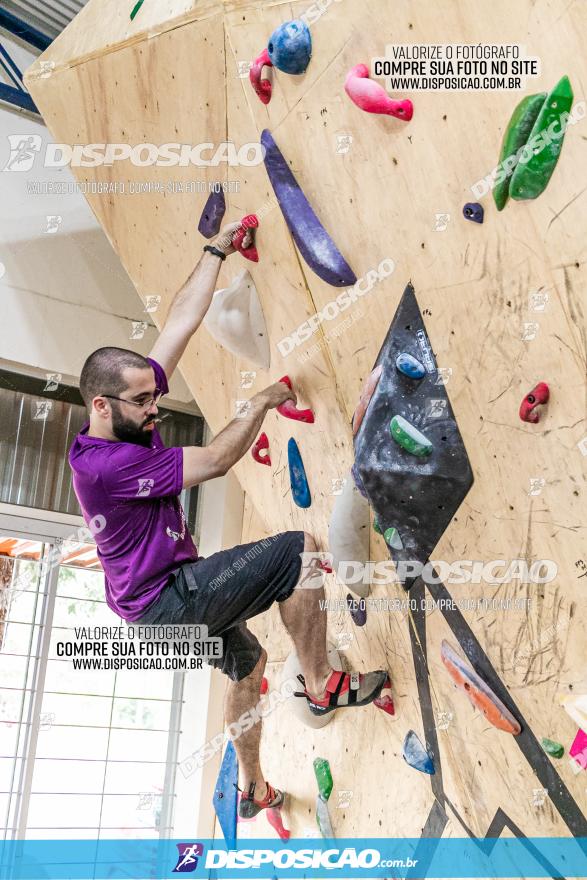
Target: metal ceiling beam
(25,31)
(18,98)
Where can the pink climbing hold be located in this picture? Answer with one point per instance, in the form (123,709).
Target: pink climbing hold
(289,409)
(578,750)
(262,87)
(370,96)
(260,444)
(537,396)
(251,221)
(276,822)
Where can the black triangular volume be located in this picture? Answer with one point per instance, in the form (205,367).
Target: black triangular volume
(416,495)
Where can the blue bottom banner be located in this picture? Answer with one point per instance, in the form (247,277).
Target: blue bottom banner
(525,857)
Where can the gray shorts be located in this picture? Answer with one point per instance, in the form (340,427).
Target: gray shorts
(224,590)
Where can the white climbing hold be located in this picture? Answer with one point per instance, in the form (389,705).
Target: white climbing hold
(235,319)
(348,536)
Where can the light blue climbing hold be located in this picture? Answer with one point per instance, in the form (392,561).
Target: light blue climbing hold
(392,539)
(410,366)
(416,755)
(226,796)
(290,46)
(297,475)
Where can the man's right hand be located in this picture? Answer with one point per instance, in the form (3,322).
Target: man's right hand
(276,394)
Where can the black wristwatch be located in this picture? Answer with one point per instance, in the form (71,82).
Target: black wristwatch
(215,251)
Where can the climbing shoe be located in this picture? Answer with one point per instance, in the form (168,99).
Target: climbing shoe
(249,807)
(345,689)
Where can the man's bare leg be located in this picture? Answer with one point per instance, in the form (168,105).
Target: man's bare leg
(305,621)
(241,696)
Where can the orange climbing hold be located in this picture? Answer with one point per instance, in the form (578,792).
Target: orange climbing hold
(480,694)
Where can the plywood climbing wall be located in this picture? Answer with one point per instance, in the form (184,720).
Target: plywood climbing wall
(379,186)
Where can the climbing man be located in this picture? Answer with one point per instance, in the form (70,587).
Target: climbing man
(124,474)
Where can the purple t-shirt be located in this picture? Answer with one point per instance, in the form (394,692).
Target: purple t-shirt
(134,489)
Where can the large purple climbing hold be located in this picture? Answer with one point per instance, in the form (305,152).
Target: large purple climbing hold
(212,215)
(314,243)
(297,475)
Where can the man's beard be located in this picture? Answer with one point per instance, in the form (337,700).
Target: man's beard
(127,431)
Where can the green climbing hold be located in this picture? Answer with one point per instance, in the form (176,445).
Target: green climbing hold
(136,8)
(392,539)
(409,438)
(552,748)
(323,777)
(515,136)
(376,527)
(538,160)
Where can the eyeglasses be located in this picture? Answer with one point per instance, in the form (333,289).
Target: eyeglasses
(146,404)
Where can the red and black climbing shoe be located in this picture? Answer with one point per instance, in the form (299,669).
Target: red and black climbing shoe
(249,807)
(345,689)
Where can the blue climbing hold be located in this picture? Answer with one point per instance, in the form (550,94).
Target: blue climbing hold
(297,475)
(290,46)
(410,366)
(226,796)
(473,211)
(416,755)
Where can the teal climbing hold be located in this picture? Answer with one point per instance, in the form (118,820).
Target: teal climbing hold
(552,748)
(409,438)
(323,817)
(297,475)
(416,755)
(392,539)
(410,366)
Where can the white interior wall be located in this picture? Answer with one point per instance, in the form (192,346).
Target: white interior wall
(64,293)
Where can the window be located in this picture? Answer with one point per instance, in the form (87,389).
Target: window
(38,423)
(85,754)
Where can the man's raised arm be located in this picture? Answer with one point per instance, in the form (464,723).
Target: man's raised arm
(192,302)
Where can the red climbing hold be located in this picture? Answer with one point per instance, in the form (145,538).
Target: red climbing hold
(251,221)
(262,87)
(289,409)
(372,97)
(260,444)
(264,686)
(538,395)
(385,700)
(276,822)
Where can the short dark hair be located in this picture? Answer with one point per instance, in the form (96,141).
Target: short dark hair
(102,372)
